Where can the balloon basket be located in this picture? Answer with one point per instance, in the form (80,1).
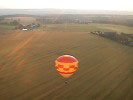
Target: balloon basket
(66,82)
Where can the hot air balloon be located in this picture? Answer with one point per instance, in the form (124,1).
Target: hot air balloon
(66,65)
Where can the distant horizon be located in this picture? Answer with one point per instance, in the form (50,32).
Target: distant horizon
(109,5)
(63,9)
(44,11)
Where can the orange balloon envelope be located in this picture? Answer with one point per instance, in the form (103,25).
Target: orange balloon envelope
(66,65)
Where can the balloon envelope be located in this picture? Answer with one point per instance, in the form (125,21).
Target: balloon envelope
(66,65)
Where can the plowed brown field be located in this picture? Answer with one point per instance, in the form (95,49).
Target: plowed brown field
(27,69)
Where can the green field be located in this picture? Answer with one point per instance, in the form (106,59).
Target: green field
(89,27)
(27,69)
(6,27)
(73,27)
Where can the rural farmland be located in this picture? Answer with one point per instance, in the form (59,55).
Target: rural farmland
(27,68)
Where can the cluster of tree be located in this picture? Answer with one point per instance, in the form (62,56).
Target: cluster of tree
(13,22)
(85,19)
(60,19)
(123,38)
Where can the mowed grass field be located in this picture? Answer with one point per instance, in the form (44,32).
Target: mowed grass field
(6,27)
(89,27)
(27,69)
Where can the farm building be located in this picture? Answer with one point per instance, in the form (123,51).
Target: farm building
(27,27)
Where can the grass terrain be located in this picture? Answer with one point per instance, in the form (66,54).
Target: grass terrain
(89,27)
(27,70)
(6,27)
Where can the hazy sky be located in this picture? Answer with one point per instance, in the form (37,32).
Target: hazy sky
(70,4)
